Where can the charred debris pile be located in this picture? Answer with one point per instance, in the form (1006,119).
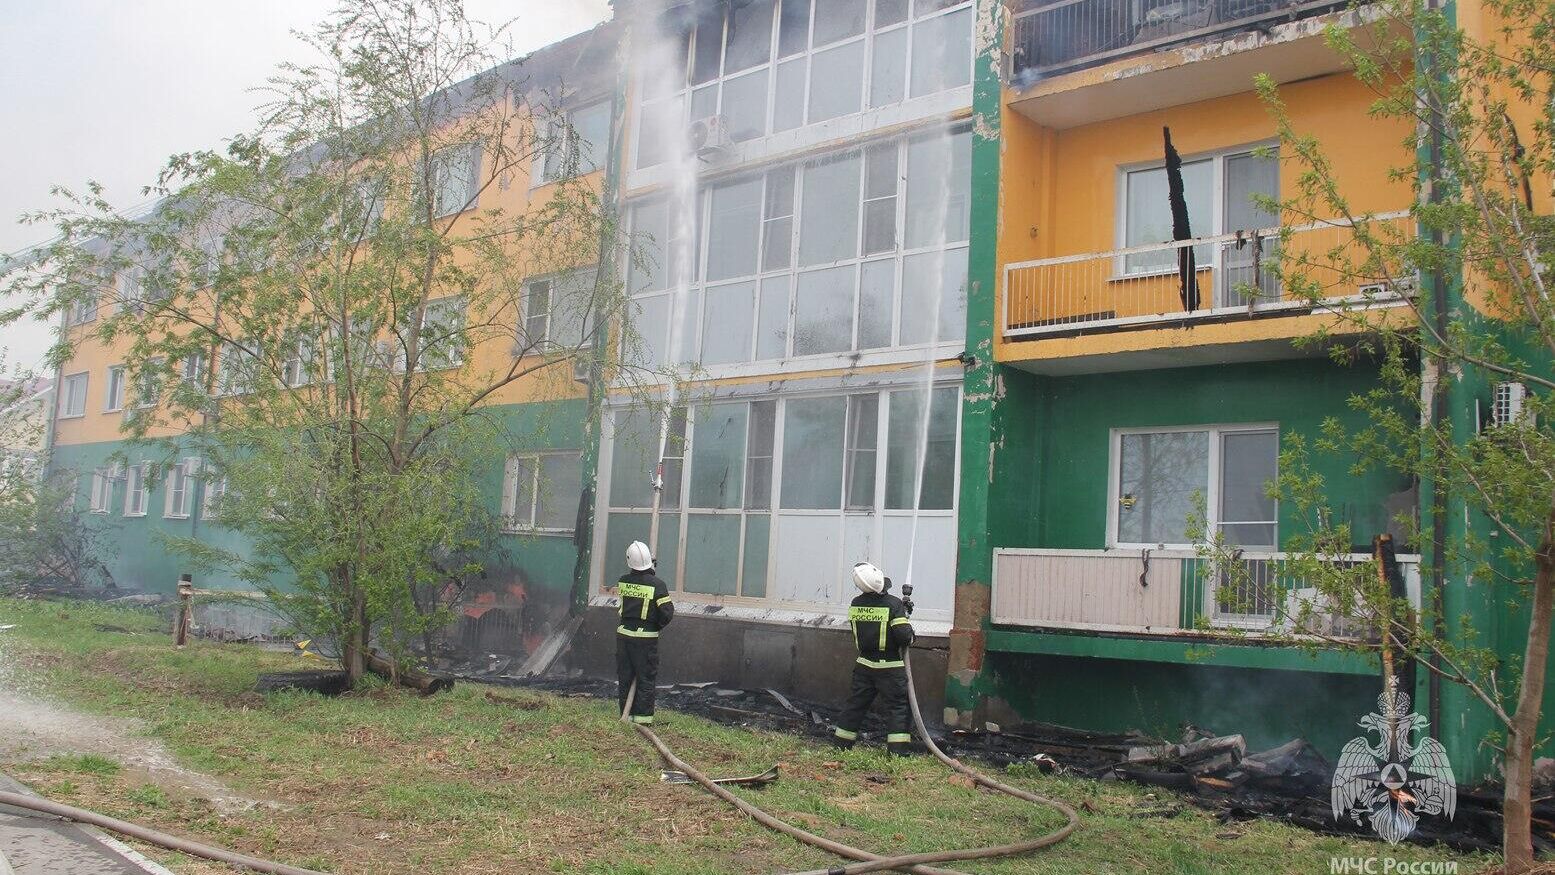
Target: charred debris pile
(1215,772)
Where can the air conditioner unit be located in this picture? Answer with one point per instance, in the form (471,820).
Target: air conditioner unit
(1392,288)
(710,136)
(1508,405)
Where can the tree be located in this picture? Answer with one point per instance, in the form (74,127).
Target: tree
(1476,282)
(325,310)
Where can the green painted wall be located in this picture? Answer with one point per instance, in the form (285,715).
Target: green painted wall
(1267,707)
(138,559)
(1072,450)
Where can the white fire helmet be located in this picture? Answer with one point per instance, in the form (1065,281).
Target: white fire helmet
(868,578)
(637,556)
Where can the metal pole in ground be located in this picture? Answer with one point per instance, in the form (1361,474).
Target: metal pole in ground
(185,594)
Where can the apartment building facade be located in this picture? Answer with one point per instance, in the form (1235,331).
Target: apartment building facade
(907,259)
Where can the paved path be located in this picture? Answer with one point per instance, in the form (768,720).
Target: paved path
(36,844)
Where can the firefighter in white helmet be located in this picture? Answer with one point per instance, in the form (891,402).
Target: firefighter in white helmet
(881,630)
(645,610)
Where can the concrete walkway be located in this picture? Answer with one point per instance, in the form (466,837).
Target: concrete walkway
(36,844)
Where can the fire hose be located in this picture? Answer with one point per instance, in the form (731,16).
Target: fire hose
(150,836)
(871,862)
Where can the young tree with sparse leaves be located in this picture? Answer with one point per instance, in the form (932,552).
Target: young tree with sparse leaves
(1459,298)
(325,310)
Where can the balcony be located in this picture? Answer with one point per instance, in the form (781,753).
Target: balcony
(1237,277)
(1057,36)
(1165,592)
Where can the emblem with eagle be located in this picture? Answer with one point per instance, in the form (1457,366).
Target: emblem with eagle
(1392,783)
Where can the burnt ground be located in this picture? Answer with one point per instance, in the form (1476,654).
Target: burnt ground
(1289,783)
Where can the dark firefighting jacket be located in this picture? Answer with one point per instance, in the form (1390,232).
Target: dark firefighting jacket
(645,605)
(880,629)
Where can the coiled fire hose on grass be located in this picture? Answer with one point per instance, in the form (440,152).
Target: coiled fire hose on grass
(150,836)
(870,862)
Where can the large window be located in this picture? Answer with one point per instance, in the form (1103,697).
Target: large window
(114,398)
(576,142)
(1163,479)
(72,396)
(557,312)
(135,487)
(455,179)
(540,492)
(442,333)
(101,496)
(1219,191)
(178,497)
(735,469)
(767,66)
(860,250)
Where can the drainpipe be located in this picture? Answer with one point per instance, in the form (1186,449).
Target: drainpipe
(1437,383)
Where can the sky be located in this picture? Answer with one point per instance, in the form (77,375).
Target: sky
(106,90)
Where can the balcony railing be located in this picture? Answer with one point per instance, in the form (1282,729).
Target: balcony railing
(1055,36)
(1170,592)
(1237,275)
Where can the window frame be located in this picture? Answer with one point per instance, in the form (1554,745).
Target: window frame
(1212,488)
(137,498)
(683,90)
(509,516)
(178,501)
(440,160)
(568,141)
(117,378)
(699,287)
(62,411)
(452,349)
(1217,159)
(215,489)
(684,511)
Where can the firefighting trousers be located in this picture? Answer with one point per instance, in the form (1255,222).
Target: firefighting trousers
(890,685)
(637,659)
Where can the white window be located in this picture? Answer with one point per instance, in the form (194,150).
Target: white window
(557,312)
(135,477)
(751,465)
(83,309)
(179,495)
(215,491)
(148,384)
(101,496)
(192,369)
(236,370)
(541,491)
(442,333)
(857,250)
(128,288)
(1219,190)
(577,142)
(300,367)
(767,66)
(1162,479)
(115,395)
(455,179)
(72,396)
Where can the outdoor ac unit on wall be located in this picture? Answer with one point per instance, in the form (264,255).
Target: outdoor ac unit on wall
(1508,404)
(709,136)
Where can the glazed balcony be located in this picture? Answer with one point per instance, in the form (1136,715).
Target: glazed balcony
(1166,592)
(1057,36)
(1237,277)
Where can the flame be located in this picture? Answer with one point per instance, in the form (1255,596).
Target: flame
(1403,797)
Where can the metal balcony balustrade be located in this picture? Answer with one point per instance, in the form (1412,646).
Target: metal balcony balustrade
(1171,592)
(1058,36)
(1236,276)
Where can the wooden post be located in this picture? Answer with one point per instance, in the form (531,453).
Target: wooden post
(185,594)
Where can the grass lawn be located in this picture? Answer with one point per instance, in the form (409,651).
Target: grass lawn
(482,780)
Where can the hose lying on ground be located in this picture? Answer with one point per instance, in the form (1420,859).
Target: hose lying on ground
(871,862)
(150,836)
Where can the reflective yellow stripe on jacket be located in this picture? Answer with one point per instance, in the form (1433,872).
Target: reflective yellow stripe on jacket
(882,616)
(641,591)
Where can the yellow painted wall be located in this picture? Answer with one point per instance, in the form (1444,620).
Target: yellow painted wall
(513,194)
(1059,188)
